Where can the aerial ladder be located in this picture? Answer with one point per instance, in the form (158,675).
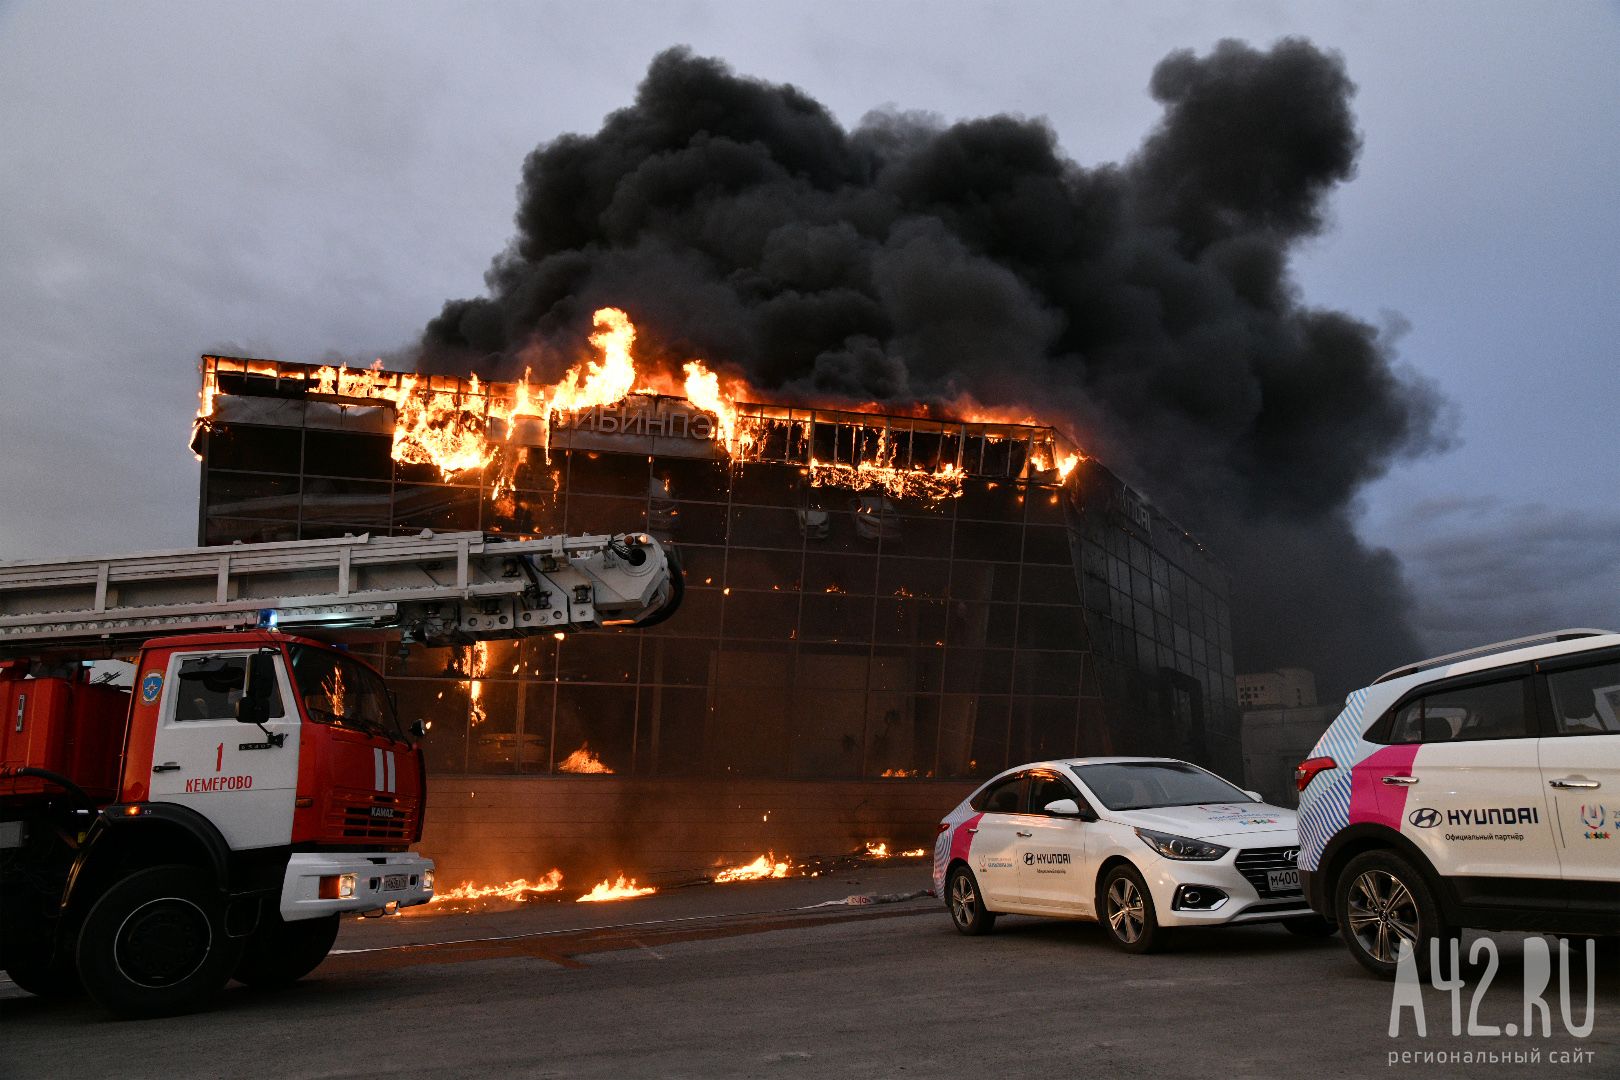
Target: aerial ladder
(254,782)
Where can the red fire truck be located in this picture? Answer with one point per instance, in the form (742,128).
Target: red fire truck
(215,817)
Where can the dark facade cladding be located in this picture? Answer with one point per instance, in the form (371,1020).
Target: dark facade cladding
(830,630)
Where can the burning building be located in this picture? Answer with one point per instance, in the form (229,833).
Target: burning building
(880,609)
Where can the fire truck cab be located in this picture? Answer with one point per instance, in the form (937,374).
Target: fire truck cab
(214,820)
(216,817)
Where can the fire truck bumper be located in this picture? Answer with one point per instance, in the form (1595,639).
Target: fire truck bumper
(324,883)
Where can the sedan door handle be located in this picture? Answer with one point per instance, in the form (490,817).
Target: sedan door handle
(167,766)
(1571,782)
(971,828)
(1401,781)
(1022,833)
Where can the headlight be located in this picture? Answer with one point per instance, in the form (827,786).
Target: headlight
(1180,847)
(346,886)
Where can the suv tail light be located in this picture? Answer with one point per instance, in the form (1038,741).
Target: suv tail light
(1306,770)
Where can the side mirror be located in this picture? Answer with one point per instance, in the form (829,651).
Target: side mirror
(254,706)
(1069,808)
(419,728)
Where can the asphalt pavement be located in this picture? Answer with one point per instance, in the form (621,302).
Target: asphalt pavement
(784,978)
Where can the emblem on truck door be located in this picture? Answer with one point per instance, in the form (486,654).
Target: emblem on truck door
(151,686)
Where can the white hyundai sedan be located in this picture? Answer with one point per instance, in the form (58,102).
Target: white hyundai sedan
(1138,844)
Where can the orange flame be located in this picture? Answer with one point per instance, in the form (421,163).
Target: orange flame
(520,889)
(766,866)
(583,761)
(453,424)
(616,890)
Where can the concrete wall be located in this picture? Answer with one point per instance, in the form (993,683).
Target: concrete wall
(1274,741)
(494,829)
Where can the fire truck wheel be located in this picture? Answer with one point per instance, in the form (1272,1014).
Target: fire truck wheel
(280,952)
(154,944)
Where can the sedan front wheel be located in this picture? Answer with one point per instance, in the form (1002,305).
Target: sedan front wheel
(1127,911)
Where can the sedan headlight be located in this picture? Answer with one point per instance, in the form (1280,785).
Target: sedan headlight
(1180,847)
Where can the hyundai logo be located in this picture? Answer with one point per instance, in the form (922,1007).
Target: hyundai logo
(1426,818)
(1291,855)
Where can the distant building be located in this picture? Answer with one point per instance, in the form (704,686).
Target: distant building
(1285,688)
(1281,722)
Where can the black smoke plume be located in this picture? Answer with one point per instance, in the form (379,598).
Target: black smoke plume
(1147,305)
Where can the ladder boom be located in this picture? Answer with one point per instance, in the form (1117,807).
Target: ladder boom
(433,588)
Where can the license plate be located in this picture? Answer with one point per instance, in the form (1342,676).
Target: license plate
(396,882)
(1282,880)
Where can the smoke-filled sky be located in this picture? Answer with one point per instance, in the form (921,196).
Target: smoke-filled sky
(1319,300)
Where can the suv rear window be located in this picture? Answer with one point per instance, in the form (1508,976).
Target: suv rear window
(1464,714)
(1586,701)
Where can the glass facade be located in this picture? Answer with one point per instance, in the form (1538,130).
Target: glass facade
(837,624)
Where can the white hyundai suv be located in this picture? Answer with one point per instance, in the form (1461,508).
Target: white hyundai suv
(1479,789)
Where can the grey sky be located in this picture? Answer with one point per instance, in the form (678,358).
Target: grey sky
(302,181)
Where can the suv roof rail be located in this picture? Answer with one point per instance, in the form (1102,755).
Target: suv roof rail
(1486,650)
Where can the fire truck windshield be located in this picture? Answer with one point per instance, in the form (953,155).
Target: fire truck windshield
(336,690)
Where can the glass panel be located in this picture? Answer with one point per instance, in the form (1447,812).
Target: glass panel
(672,730)
(442,705)
(769,571)
(1051,628)
(991,500)
(597,473)
(249,495)
(912,577)
(1043,728)
(985,671)
(691,479)
(595,729)
(678,661)
(225,530)
(437,507)
(360,501)
(831,617)
(260,449)
(597,656)
(828,730)
(762,666)
(604,514)
(920,537)
(760,615)
(855,574)
(984,581)
(747,734)
(494,743)
(1052,585)
(764,484)
(1046,544)
(769,527)
(341,453)
(1047,672)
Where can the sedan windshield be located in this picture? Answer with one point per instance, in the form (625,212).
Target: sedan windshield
(1144,785)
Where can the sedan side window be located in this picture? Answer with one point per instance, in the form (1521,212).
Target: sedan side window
(1004,797)
(1586,701)
(1045,788)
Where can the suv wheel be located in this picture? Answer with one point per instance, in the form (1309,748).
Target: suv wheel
(1383,900)
(967,903)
